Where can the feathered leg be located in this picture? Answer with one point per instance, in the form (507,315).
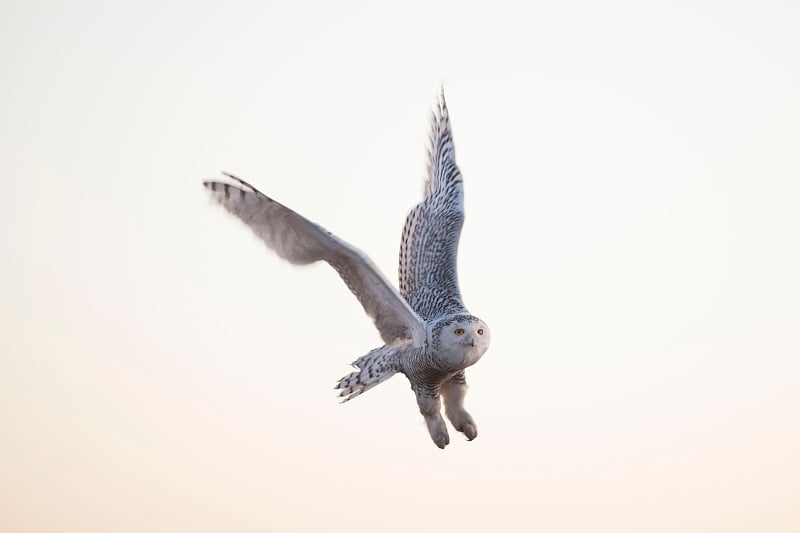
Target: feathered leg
(453,391)
(430,406)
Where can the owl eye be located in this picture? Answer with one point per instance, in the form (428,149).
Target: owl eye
(480,332)
(459,331)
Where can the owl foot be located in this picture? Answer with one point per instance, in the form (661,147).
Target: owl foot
(430,407)
(463,422)
(438,433)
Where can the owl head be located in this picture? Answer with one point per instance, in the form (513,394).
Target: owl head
(459,341)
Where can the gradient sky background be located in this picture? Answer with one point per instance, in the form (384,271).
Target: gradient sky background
(632,238)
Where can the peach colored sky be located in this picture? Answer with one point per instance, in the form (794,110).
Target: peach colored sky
(632,235)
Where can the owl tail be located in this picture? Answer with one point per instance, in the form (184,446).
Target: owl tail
(376,367)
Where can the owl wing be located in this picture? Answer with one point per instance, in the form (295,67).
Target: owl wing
(300,241)
(428,272)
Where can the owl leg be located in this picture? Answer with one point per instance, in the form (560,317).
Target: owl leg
(430,406)
(453,391)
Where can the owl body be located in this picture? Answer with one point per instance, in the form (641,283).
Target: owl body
(456,343)
(429,335)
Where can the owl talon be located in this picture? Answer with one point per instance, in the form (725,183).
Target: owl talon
(463,422)
(441,440)
(469,431)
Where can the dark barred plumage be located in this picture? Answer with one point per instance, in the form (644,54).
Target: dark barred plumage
(429,245)
(377,366)
(429,334)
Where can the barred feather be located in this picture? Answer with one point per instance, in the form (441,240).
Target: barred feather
(429,246)
(373,368)
(300,241)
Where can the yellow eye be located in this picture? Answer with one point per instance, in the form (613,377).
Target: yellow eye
(459,331)
(480,332)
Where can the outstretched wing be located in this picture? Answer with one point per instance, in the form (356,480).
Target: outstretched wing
(428,276)
(300,241)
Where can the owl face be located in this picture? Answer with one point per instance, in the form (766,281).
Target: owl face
(461,342)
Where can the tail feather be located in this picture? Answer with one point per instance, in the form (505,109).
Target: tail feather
(376,367)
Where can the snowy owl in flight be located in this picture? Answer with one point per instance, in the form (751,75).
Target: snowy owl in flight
(429,334)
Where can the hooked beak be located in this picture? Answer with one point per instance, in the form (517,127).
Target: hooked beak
(470,341)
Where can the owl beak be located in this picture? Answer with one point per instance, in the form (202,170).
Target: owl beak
(470,341)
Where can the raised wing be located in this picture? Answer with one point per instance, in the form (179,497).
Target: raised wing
(300,241)
(428,275)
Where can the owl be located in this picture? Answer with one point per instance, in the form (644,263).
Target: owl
(429,335)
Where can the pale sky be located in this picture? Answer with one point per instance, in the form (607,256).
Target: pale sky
(632,178)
